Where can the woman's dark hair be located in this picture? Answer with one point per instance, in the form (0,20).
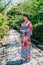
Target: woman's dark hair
(25,15)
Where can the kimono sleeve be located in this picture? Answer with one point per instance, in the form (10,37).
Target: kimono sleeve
(30,27)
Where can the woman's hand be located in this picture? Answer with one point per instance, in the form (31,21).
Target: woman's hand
(23,31)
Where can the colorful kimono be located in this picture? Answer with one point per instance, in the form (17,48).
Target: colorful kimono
(25,39)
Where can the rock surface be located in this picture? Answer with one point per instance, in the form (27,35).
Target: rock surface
(11,52)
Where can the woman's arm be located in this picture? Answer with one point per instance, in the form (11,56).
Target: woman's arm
(30,28)
(22,31)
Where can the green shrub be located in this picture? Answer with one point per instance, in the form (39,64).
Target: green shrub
(38,32)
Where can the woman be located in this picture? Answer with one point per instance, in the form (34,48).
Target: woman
(25,33)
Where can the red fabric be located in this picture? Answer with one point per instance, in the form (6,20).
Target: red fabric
(25,44)
(30,29)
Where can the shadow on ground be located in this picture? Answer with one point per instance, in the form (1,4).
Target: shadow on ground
(17,62)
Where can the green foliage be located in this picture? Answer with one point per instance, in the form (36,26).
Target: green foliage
(14,17)
(34,10)
(3,25)
(1,6)
(38,32)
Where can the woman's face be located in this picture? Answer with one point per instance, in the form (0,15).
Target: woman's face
(24,17)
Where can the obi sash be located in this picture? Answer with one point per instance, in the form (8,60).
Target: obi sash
(25,27)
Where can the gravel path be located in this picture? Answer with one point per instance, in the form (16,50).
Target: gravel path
(11,52)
